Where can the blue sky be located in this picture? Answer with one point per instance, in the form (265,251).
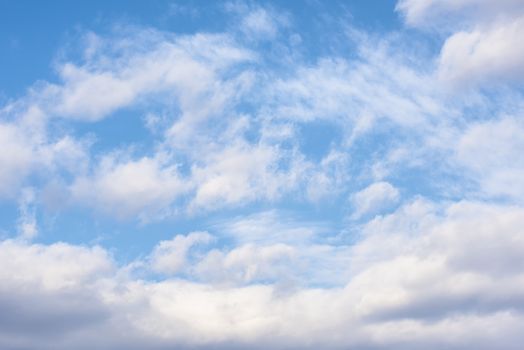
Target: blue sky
(286,174)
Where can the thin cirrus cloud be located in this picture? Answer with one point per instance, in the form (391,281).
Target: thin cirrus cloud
(153,63)
(340,199)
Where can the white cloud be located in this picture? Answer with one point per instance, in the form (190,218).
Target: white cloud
(238,174)
(28,147)
(228,158)
(375,197)
(205,134)
(485,55)
(428,13)
(354,93)
(327,179)
(259,22)
(16,159)
(52,267)
(247,264)
(119,73)
(492,152)
(452,251)
(429,275)
(484,46)
(268,228)
(425,286)
(27,225)
(130,187)
(170,257)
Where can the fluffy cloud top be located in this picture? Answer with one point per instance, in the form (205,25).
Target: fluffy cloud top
(484,46)
(392,300)
(375,197)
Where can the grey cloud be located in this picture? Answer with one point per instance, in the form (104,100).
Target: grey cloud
(426,294)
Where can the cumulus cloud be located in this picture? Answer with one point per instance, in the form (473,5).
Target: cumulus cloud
(247,264)
(53,267)
(29,147)
(440,255)
(374,197)
(390,301)
(485,55)
(169,257)
(484,46)
(491,151)
(239,174)
(126,188)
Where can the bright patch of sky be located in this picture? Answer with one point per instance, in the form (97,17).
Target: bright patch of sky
(284,174)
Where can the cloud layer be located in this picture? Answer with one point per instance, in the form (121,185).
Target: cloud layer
(365,196)
(409,287)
